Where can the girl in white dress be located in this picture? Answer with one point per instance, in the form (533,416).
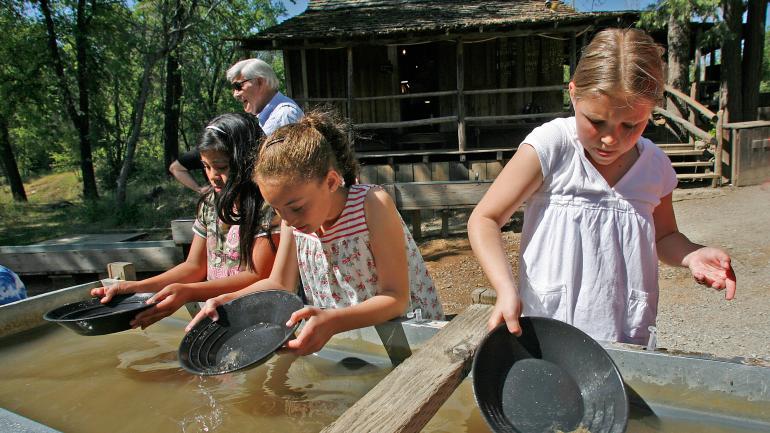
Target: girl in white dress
(599,212)
(357,260)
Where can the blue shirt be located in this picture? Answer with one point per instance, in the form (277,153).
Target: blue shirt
(281,110)
(11,287)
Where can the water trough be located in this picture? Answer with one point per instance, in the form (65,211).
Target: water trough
(55,380)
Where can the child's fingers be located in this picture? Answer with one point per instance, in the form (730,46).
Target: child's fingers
(303,313)
(208,310)
(731,282)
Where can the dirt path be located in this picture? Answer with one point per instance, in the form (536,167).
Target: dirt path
(690,317)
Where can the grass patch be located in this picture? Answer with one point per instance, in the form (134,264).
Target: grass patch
(56,209)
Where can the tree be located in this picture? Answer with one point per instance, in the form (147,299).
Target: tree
(730,73)
(752,56)
(80,115)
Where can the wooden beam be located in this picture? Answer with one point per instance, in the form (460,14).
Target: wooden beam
(407,398)
(572,54)
(287,74)
(406,123)
(438,194)
(460,96)
(697,106)
(350,85)
(147,256)
(303,64)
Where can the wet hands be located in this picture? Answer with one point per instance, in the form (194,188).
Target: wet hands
(209,310)
(711,267)
(108,292)
(170,299)
(318,330)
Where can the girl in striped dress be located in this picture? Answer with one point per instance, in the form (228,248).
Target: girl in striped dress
(357,261)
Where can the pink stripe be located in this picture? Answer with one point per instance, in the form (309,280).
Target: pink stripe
(345,235)
(343,232)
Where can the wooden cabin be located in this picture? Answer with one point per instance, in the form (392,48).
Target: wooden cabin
(435,89)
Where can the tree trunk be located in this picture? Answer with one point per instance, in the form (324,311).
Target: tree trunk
(752,57)
(80,116)
(9,163)
(171,110)
(678,60)
(136,127)
(730,68)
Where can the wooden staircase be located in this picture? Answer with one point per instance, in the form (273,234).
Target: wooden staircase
(700,158)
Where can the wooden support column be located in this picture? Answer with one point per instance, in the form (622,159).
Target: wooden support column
(287,74)
(407,398)
(350,85)
(305,91)
(460,96)
(122,271)
(717,181)
(572,54)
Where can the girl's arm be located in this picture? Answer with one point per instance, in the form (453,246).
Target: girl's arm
(193,269)
(386,236)
(709,266)
(175,295)
(283,276)
(520,178)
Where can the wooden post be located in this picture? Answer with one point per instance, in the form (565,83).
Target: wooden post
(407,398)
(718,155)
(303,64)
(460,96)
(287,74)
(350,93)
(692,118)
(121,271)
(572,54)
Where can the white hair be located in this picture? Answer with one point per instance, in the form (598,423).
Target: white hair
(253,68)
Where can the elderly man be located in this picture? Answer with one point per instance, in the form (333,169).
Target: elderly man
(256,86)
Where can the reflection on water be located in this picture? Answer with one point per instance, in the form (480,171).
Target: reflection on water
(132,382)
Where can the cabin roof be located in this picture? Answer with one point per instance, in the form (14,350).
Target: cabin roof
(355,20)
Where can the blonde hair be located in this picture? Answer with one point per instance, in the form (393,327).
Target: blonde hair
(621,62)
(308,149)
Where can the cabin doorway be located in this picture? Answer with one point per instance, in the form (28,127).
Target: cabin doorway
(417,71)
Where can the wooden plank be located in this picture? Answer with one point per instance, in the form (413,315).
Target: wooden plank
(407,398)
(478,170)
(458,171)
(421,172)
(404,173)
(439,171)
(368,174)
(460,96)
(406,123)
(155,256)
(439,195)
(493,169)
(385,174)
(102,238)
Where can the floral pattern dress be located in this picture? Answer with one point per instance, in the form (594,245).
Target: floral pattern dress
(338,269)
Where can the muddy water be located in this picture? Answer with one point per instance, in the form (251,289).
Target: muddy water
(132,382)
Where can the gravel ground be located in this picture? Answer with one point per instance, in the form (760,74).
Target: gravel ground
(690,317)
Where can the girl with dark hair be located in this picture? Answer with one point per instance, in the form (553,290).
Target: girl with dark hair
(356,259)
(217,262)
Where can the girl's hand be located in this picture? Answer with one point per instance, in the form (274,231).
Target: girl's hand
(318,330)
(711,267)
(119,288)
(507,309)
(209,310)
(170,299)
